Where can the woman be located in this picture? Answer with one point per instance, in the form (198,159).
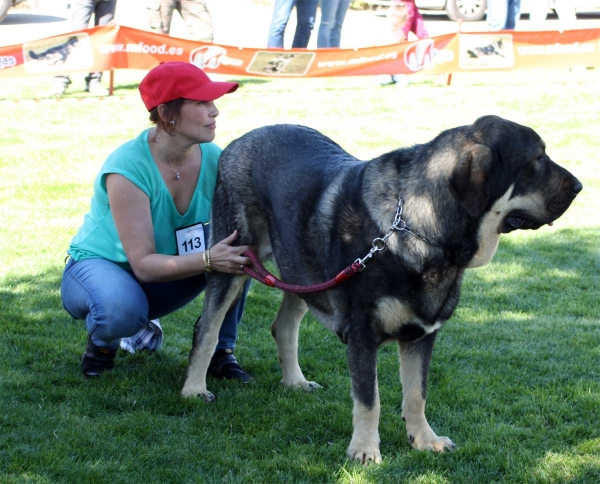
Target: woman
(140,253)
(333,13)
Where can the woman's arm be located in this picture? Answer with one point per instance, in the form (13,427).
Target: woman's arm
(130,208)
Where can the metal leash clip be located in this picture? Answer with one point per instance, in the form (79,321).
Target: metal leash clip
(380,243)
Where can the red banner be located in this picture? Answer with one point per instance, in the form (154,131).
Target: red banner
(117,47)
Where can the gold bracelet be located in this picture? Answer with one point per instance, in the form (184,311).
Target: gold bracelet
(206,258)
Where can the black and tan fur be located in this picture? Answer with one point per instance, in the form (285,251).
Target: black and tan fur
(313,209)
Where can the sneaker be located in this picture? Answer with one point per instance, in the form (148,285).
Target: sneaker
(401,80)
(97,89)
(97,360)
(59,87)
(386,80)
(148,338)
(224,365)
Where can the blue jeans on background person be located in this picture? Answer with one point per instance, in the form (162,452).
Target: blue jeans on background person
(333,13)
(503,14)
(115,305)
(306,11)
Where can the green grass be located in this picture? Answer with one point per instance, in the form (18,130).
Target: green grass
(514,379)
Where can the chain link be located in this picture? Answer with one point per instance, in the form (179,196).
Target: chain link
(380,243)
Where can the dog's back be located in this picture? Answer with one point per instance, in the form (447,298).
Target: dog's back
(271,168)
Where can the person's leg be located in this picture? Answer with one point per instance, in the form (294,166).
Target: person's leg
(419,26)
(538,11)
(497,11)
(328,9)
(228,333)
(198,20)
(167,297)
(115,305)
(224,364)
(104,13)
(81,13)
(566,14)
(281,15)
(153,12)
(166,14)
(60,85)
(513,14)
(336,33)
(306,11)
(107,297)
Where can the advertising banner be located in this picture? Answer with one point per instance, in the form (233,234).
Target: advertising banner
(117,47)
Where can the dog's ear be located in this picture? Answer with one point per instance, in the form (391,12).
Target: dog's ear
(469,182)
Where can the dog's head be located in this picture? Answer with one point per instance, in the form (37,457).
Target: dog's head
(503,169)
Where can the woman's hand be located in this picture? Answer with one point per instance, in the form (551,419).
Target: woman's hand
(228,258)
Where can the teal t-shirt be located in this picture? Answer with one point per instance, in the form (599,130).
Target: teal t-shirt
(98,237)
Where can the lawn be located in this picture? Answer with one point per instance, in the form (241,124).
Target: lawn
(514,379)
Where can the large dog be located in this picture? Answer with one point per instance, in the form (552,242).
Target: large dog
(314,209)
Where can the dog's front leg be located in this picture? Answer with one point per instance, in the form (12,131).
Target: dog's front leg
(414,368)
(285,331)
(362,358)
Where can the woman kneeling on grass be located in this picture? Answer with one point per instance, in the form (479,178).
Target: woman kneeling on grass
(140,253)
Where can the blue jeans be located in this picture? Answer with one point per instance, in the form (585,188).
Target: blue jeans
(115,305)
(333,13)
(503,14)
(306,10)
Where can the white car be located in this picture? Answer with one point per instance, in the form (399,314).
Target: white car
(472,10)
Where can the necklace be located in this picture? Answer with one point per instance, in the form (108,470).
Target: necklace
(178,172)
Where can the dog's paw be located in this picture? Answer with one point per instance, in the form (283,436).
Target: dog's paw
(310,386)
(365,456)
(307,386)
(435,443)
(204,394)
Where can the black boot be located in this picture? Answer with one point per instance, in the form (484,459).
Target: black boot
(224,365)
(97,360)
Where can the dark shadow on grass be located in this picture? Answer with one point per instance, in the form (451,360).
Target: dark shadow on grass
(554,274)
(30,298)
(485,391)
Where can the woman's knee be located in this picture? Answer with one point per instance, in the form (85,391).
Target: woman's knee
(116,319)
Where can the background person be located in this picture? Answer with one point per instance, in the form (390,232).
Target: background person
(141,251)
(415,22)
(404,17)
(306,11)
(194,13)
(503,14)
(564,8)
(81,14)
(333,13)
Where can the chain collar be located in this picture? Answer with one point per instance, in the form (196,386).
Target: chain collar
(380,243)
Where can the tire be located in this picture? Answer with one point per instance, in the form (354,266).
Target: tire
(4,6)
(467,10)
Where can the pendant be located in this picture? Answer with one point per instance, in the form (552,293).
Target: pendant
(176,176)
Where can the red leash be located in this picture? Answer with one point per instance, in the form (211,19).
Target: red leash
(261,274)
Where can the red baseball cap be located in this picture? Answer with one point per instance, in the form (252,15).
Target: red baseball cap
(172,80)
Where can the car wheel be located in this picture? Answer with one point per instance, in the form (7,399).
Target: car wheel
(468,10)
(4,6)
